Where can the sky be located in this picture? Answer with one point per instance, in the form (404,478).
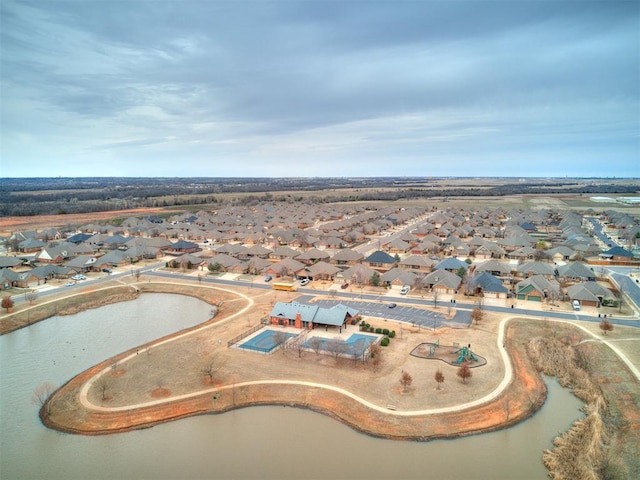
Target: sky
(305,88)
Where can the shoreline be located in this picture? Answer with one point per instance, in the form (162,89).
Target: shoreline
(526,393)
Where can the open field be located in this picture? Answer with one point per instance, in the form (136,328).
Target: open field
(9,225)
(12,224)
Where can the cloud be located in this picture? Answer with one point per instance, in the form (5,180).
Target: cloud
(242,87)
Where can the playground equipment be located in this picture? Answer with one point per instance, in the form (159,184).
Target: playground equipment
(466,355)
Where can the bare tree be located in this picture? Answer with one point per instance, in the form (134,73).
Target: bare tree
(278,339)
(606,326)
(439,377)
(436,294)
(464,372)
(315,343)
(41,394)
(336,348)
(375,354)
(209,369)
(405,380)
(31,297)
(103,384)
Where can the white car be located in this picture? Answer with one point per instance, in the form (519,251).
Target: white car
(304,281)
(404,290)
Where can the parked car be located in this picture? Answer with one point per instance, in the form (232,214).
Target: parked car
(304,281)
(404,290)
(268,278)
(106,270)
(344,285)
(69,284)
(392,305)
(79,277)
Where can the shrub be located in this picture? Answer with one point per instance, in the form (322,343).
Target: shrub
(384,342)
(385,331)
(378,330)
(371,329)
(392,333)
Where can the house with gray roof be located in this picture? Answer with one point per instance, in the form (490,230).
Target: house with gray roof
(359,274)
(495,268)
(322,271)
(536,268)
(537,288)
(417,263)
(451,264)
(380,260)
(443,281)
(346,256)
(398,276)
(9,262)
(485,284)
(575,271)
(591,294)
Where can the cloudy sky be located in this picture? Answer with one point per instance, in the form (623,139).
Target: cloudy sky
(319,88)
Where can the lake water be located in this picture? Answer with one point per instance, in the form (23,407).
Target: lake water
(257,442)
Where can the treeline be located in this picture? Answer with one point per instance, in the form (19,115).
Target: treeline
(45,196)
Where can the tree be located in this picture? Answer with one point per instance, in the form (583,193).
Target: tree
(209,370)
(315,343)
(278,339)
(7,303)
(461,272)
(405,380)
(336,348)
(436,294)
(137,275)
(375,353)
(103,384)
(214,267)
(375,279)
(606,326)
(41,394)
(31,297)
(464,372)
(439,377)
(476,315)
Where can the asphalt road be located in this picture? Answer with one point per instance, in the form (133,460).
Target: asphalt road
(377,305)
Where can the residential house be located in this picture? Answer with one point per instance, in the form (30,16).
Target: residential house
(380,260)
(398,277)
(537,288)
(575,271)
(485,284)
(182,246)
(346,256)
(591,294)
(442,281)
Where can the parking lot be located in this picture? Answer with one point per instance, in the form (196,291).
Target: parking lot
(400,313)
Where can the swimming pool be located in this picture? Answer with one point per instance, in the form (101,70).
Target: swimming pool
(356,344)
(266,341)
